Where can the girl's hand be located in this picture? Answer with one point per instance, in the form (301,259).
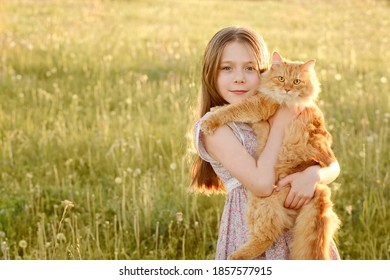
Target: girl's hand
(303,186)
(284,116)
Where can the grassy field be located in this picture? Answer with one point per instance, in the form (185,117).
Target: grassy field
(97,100)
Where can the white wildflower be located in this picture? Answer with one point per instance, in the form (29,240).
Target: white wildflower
(67,203)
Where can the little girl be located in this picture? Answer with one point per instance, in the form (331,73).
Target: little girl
(232,62)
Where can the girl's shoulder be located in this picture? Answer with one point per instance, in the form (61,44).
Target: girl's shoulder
(240,130)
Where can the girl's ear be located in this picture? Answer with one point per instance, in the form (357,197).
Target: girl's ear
(308,65)
(277,59)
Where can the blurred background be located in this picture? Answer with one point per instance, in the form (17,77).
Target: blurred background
(97,103)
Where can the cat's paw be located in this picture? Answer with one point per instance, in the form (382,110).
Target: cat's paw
(215,108)
(236,256)
(209,125)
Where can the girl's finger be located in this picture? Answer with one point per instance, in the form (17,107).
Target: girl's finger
(300,204)
(291,201)
(286,180)
(295,202)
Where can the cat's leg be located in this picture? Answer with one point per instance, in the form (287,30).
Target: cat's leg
(261,129)
(251,249)
(314,228)
(250,110)
(267,221)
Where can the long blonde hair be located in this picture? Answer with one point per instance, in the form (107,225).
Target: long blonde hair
(203,177)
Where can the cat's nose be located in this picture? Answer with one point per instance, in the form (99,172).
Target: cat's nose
(287,89)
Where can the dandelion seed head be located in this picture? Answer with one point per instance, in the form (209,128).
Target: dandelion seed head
(173,166)
(23,244)
(383,80)
(370,138)
(4,246)
(118,180)
(179,217)
(137,172)
(338,77)
(2,234)
(61,237)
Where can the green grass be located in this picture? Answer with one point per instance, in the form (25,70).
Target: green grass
(97,101)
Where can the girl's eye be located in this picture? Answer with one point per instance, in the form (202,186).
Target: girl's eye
(250,68)
(227,68)
(281,79)
(296,81)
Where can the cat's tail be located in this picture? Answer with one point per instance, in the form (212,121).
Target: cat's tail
(315,227)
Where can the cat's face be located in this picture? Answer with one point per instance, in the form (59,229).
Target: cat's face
(290,83)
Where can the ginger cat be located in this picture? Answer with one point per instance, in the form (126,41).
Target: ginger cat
(306,143)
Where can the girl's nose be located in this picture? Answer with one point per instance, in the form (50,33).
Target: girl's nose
(239,78)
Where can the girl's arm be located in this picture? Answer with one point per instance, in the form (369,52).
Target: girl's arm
(303,183)
(258,176)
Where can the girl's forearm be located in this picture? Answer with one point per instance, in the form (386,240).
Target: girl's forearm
(323,175)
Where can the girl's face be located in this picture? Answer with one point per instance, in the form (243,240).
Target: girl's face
(238,76)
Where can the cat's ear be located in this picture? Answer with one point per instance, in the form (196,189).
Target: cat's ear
(276,59)
(308,65)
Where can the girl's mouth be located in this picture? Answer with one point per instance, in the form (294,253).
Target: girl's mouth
(239,92)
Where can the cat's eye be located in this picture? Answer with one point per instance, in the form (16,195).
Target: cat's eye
(281,79)
(296,81)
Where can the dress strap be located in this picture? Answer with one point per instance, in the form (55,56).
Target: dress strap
(231,184)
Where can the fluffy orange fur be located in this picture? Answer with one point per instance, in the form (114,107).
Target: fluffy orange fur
(306,143)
